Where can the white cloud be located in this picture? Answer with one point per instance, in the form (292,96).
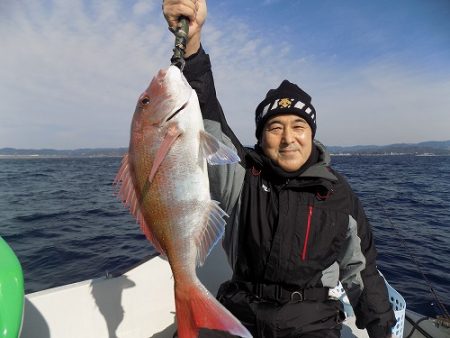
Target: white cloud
(71,74)
(270,2)
(75,69)
(385,103)
(142,7)
(378,103)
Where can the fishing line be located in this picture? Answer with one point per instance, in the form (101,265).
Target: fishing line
(416,262)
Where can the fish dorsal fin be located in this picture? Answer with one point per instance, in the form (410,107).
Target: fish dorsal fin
(127,193)
(212,232)
(216,152)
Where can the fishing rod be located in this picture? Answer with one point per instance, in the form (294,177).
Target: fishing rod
(445,318)
(181,36)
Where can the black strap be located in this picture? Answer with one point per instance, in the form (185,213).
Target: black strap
(276,292)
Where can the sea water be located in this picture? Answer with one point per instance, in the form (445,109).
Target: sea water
(61,217)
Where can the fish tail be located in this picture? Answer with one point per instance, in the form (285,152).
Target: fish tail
(196,308)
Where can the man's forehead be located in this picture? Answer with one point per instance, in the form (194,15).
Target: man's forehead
(285,118)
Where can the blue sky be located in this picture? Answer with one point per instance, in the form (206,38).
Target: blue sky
(378,71)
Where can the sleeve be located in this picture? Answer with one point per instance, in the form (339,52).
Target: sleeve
(364,285)
(225,181)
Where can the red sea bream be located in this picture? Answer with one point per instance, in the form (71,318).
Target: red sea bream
(163,180)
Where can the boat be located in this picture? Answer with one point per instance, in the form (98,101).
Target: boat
(139,303)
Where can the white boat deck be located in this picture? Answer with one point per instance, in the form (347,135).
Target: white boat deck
(137,304)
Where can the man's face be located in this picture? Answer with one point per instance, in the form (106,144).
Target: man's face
(287,141)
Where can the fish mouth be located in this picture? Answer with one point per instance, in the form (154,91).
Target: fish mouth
(175,113)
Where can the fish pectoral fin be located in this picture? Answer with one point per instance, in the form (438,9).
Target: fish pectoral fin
(212,232)
(173,131)
(215,151)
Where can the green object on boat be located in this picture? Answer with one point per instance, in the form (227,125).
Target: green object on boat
(11,292)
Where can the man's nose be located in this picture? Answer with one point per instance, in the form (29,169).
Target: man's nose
(288,135)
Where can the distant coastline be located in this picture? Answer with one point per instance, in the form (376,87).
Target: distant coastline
(54,153)
(429,148)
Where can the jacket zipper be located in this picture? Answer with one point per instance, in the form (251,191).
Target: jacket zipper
(308,227)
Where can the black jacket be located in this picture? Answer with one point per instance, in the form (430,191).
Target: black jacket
(305,231)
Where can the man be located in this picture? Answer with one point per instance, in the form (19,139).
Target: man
(295,227)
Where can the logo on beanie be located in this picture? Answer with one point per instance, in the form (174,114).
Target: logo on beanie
(285,103)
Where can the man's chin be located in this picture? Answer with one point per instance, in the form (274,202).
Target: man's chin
(290,166)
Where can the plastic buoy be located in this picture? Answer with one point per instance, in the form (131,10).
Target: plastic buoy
(11,292)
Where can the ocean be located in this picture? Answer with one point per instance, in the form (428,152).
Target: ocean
(63,220)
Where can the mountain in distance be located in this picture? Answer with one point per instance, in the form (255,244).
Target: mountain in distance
(423,148)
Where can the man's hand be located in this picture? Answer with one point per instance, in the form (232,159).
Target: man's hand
(195,11)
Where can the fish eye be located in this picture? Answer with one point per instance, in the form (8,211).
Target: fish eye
(145,101)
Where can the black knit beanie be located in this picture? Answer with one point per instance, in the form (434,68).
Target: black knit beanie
(288,98)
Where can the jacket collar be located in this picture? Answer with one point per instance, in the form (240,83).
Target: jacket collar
(320,169)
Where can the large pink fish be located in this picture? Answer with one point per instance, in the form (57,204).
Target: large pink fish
(164,181)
